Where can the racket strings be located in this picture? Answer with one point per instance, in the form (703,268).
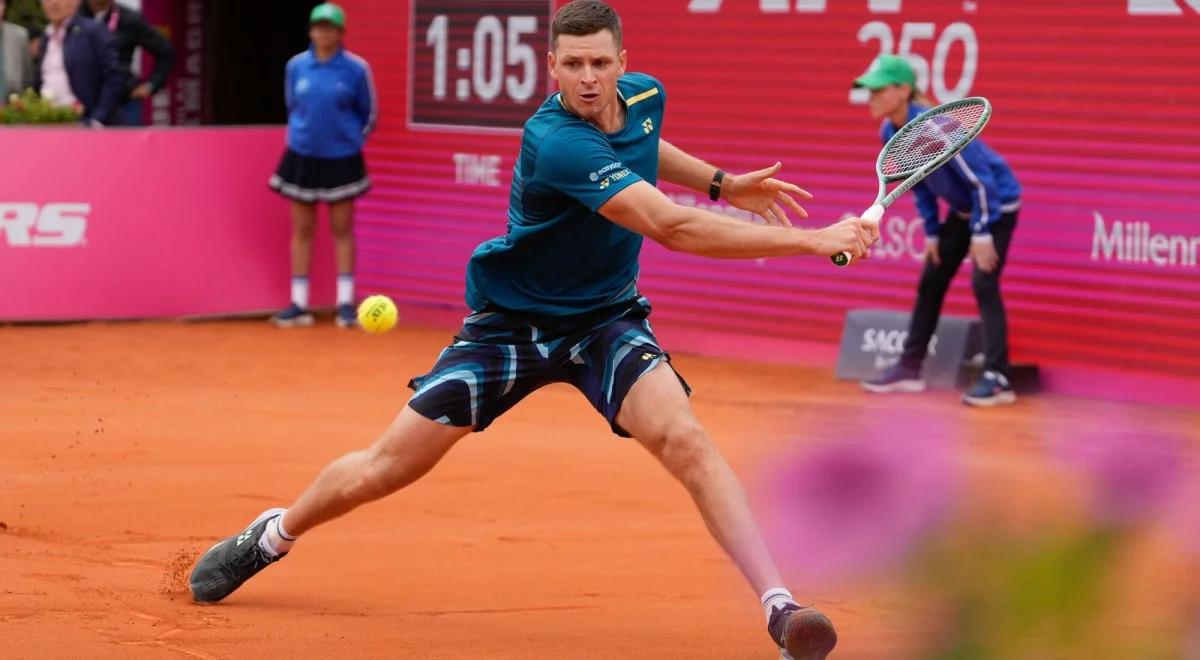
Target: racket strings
(931,138)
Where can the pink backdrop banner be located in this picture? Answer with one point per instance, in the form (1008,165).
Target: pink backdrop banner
(1094,108)
(145,223)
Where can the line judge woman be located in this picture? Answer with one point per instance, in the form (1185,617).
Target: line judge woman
(981,197)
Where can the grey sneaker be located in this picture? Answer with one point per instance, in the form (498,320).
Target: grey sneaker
(897,378)
(802,633)
(231,562)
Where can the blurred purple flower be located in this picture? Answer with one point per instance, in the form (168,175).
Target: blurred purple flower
(853,506)
(1182,519)
(1133,475)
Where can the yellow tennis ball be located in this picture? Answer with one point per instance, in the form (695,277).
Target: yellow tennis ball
(377,314)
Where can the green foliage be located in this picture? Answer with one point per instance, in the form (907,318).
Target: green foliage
(28,108)
(1050,594)
(28,14)
(1015,598)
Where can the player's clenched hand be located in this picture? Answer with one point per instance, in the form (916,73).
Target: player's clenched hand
(853,235)
(760,193)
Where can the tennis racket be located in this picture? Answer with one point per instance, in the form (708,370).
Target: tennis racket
(924,144)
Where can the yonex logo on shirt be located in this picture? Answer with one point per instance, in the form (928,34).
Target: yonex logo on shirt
(647,126)
(613,178)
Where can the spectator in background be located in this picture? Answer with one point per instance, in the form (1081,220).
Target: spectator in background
(77,64)
(16,65)
(331,109)
(131,30)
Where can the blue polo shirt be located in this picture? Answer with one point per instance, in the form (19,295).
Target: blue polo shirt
(331,105)
(560,257)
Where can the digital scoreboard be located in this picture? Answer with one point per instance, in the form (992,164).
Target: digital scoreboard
(477,65)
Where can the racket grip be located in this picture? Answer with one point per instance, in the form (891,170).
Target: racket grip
(873,214)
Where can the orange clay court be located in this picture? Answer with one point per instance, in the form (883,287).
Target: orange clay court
(128,448)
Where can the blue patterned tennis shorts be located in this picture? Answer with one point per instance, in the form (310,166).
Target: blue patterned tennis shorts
(498,358)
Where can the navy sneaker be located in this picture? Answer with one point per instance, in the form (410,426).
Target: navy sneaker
(231,562)
(992,389)
(293,317)
(347,316)
(802,633)
(897,378)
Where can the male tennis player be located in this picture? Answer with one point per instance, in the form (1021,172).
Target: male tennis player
(982,199)
(555,300)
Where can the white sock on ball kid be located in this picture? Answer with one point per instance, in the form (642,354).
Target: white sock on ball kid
(345,289)
(300,292)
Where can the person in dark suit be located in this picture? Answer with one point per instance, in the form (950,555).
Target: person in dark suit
(130,29)
(77,64)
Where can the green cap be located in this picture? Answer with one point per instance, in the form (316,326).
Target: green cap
(887,70)
(330,13)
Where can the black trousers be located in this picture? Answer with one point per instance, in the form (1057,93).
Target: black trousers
(954,244)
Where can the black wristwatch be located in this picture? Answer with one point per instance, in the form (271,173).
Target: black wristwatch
(714,188)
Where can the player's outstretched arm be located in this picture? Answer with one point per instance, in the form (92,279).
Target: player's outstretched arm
(758,192)
(644,209)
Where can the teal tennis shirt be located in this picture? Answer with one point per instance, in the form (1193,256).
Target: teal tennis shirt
(560,257)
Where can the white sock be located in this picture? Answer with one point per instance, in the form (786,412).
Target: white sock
(773,598)
(300,292)
(275,541)
(345,289)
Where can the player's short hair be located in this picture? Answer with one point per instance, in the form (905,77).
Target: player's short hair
(583,17)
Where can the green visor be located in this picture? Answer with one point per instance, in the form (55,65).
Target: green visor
(887,70)
(329,13)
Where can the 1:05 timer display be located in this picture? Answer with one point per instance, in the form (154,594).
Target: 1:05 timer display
(478,64)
